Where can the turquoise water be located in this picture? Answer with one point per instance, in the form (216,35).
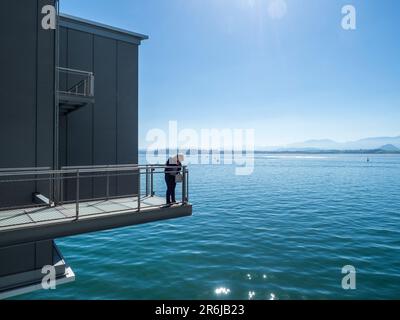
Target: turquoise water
(283,233)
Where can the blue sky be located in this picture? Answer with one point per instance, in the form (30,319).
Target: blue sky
(229,64)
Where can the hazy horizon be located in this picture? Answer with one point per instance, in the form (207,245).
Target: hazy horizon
(332,140)
(379,143)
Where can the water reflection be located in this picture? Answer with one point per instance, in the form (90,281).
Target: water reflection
(222,291)
(252,294)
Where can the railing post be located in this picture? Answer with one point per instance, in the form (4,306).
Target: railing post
(50,189)
(91,79)
(138,187)
(60,178)
(152,182)
(184,200)
(108,183)
(147,181)
(77,194)
(187,186)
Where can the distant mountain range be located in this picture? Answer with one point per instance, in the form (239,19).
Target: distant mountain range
(368,145)
(389,147)
(386,144)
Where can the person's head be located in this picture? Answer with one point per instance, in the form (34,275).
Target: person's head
(181,157)
(177,159)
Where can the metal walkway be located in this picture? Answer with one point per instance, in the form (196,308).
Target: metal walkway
(50,216)
(10,219)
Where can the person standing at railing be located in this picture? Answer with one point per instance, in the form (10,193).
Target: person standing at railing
(172,175)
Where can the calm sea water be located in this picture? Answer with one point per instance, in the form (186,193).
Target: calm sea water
(283,233)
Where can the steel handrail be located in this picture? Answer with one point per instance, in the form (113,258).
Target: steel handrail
(75,71)
(87,82)
(24,169)
(89,172)
(74,170)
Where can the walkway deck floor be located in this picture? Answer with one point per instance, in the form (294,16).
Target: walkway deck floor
(31,216)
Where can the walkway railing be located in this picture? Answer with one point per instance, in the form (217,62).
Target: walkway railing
(75,185)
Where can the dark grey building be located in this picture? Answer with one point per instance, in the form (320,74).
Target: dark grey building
(68,137)
(103,132)
(27,92)
(97,129)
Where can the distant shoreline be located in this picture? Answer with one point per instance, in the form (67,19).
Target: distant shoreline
(366,152)
(363,152)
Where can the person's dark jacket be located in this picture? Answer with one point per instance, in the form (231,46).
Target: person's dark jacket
(173,168)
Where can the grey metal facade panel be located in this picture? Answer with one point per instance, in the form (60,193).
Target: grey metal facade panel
(24,258)
(63,121)
(63,141)
(80,123)
(45,106)
(45,94)
(80,56)
(127,114)
(11,262)
(127,135)
(63,55)
(18,83)
(43,253)
(106,132)
(105,111)
(12,284)
(26,92)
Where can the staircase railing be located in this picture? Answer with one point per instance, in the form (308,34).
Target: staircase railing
(83,82)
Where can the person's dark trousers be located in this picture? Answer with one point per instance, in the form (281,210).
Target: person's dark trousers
(171,185)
